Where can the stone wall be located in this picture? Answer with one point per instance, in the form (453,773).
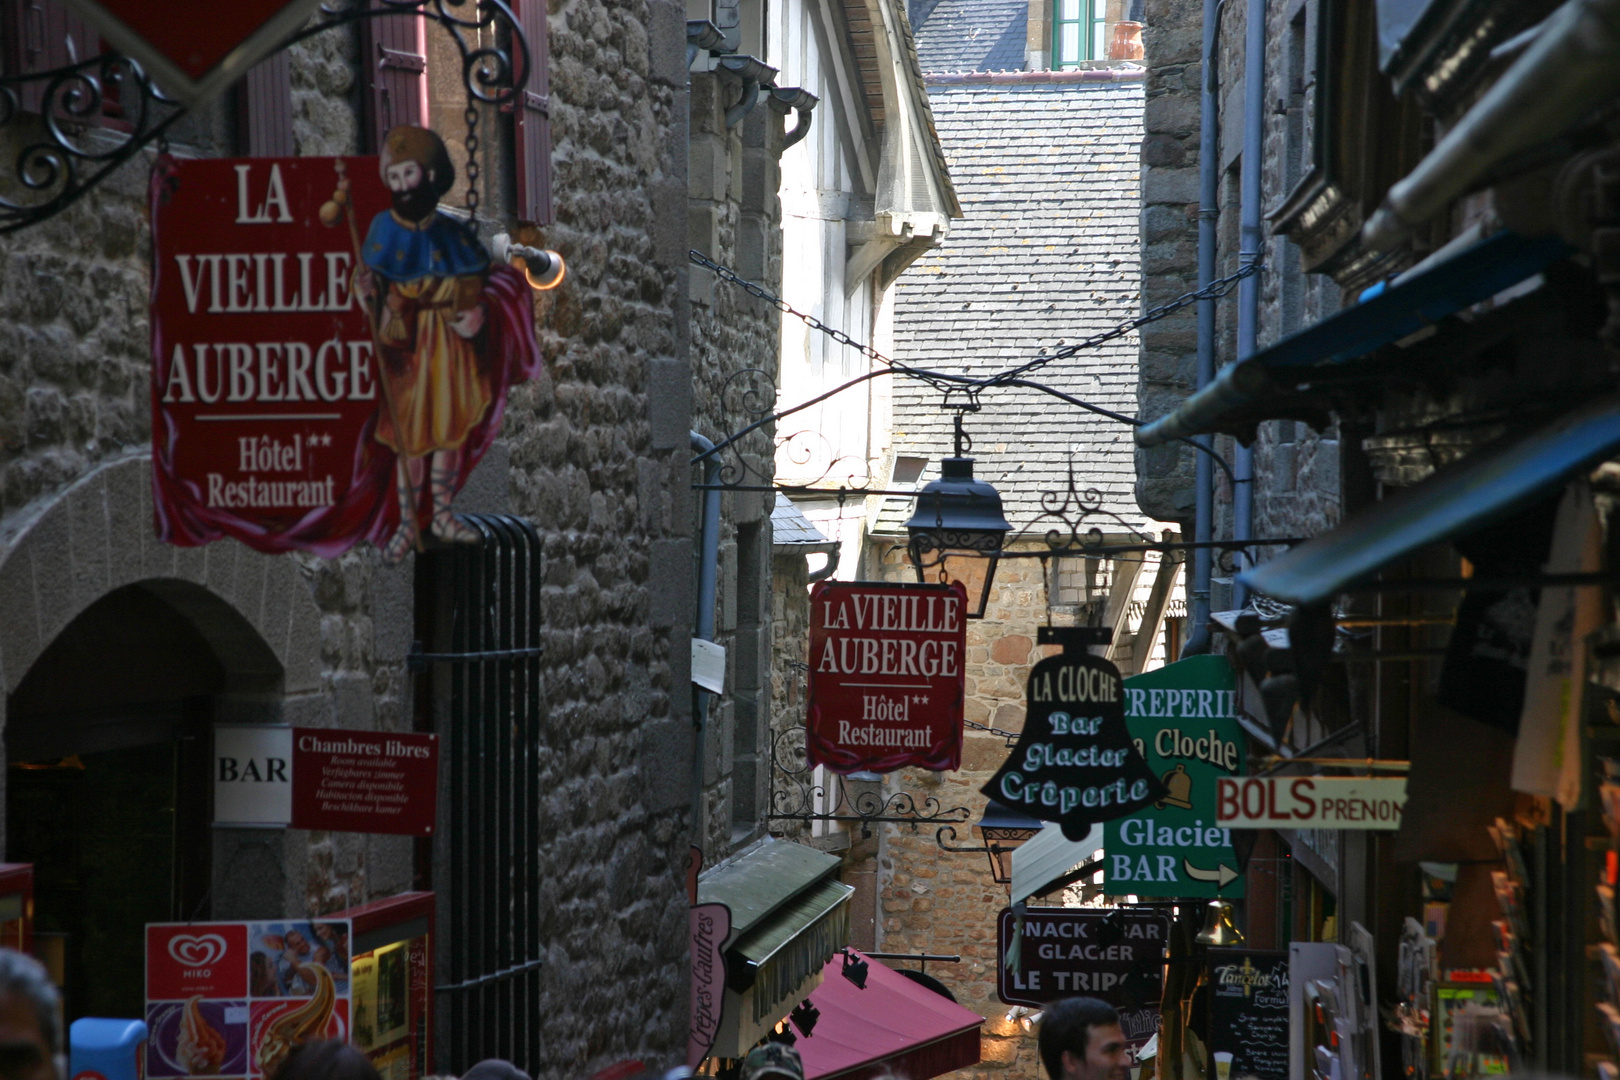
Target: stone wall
(595,453)
(734,219)
(1297,486)
(1168,366)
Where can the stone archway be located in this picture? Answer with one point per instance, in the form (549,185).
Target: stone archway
(97,537)
(256,613)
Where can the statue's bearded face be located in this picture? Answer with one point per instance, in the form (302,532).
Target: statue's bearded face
(414,197)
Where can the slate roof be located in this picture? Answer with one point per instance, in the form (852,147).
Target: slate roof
(970,35)
(789,526)
(1047,253)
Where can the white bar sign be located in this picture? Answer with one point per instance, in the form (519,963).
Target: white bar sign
(252,774)
(1310,802)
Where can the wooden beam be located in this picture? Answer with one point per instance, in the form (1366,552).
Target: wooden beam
(1127,572)
(1164,584)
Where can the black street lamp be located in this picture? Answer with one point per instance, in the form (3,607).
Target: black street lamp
(958,516)
(1004,830)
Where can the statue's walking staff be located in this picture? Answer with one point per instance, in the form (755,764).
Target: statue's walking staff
(338,206)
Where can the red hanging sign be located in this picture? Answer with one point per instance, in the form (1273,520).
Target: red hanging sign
(886,676)
(364,781)
(196,49)
(327,348)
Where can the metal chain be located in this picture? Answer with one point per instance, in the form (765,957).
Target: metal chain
(1214,290)
(471,117)
(725,273)
(1010,735)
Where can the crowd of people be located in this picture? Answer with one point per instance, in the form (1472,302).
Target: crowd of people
(1080,1039)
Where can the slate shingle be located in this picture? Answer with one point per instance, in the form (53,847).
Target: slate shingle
(970,35)
(1046,254)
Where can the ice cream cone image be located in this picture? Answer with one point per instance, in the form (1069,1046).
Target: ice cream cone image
(308,1021)
(200,1048)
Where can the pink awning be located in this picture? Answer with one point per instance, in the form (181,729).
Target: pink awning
(894,1025)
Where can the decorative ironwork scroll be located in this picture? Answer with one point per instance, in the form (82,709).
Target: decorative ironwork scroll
(65,150)
(798,795)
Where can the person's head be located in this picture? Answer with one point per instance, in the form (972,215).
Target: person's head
(1081,1040)
(416,167)
(773,1061)
(297,942)
(29,1036)
(329,1059)
(494,1069)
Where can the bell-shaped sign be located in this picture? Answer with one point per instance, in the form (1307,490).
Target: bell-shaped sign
(1075,762)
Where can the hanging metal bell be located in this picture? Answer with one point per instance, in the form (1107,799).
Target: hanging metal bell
(1218,929)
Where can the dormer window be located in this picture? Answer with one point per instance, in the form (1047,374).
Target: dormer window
(1079,32)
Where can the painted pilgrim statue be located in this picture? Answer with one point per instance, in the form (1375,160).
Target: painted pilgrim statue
(423,277)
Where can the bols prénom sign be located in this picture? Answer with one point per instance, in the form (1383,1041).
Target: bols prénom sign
(886,676)
(1074,762)
(1182,719)
(1311,802)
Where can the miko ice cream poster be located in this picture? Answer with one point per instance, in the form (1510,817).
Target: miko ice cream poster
(234,999)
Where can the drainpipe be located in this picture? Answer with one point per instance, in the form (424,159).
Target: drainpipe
(1566,72)
(1209,123)
(1250,238)
(708,572)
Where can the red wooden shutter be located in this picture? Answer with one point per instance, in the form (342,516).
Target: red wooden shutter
(532,119)
(264,108)
(41,35)
(395,52)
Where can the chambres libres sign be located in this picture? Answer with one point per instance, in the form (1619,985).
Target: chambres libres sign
(1182,719)
(886,676)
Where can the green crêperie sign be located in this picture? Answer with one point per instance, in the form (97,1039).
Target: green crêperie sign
(1183,720)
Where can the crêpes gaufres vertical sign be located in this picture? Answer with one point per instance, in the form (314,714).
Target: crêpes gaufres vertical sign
(886,676)
(310,388)
(1075,763)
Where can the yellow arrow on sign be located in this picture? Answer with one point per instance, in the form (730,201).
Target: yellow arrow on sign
(1222,875)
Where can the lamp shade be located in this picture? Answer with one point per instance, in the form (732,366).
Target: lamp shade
(961,515)
(957,513)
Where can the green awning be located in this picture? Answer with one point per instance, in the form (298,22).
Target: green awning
(792,944)
(1456,500)
(762,878)
(1274,383)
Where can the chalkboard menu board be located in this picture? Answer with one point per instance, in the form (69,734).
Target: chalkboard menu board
(1249,1011)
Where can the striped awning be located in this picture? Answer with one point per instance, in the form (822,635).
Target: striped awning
(1047,859)
(782,951)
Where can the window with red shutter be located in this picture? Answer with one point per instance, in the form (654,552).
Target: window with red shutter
(532,119)
(395,52)
(41,35)
(264,109)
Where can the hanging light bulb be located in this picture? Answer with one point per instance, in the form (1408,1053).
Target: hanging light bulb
(544,269)
(1218,928)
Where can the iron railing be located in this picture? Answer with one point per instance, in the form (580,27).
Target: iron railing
(479,608)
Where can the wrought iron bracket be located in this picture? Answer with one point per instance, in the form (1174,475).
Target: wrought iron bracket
(67,150)
(796,795)
(983,849)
